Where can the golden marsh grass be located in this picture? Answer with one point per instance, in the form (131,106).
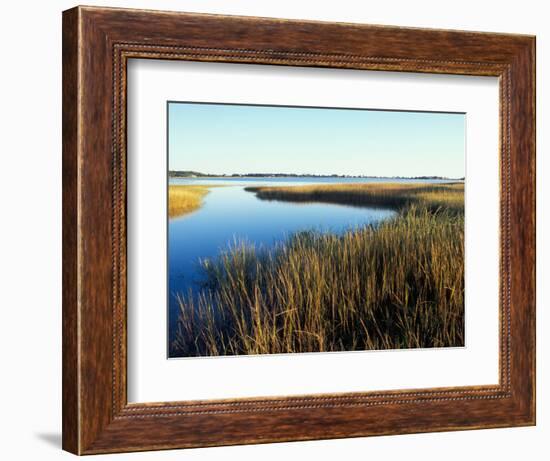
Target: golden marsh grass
(396,285)
(394,195)
(184,199)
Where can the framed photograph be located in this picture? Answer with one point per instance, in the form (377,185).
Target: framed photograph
(281,230)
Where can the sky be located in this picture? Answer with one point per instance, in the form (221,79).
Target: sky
(227,139)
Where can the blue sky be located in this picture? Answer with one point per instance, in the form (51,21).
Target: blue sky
(220,138)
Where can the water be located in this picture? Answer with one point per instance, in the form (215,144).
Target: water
(231,214)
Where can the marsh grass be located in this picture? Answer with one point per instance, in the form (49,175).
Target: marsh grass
(184,199)
(396,285)
(394,195)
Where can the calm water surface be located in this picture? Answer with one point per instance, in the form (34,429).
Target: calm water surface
(231,214)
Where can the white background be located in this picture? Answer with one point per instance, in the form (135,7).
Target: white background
(152,378)
(30,247)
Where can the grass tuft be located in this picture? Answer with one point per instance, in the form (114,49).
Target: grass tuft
(184,199)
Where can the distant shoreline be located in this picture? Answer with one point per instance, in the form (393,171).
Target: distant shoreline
(197,175)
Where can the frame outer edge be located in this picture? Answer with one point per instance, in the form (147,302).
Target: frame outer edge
(529,140)
(533,69)
(70,178)
(522,192)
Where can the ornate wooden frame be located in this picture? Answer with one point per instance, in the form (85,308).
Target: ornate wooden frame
(97,43)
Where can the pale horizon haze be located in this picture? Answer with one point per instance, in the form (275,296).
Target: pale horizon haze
(226,139)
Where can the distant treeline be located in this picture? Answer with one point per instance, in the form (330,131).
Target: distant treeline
(198,174)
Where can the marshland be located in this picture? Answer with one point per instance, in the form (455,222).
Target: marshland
(336,229)
(315,267)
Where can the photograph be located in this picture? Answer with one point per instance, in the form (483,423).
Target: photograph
(297,229)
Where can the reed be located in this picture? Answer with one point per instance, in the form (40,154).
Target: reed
(396,285)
